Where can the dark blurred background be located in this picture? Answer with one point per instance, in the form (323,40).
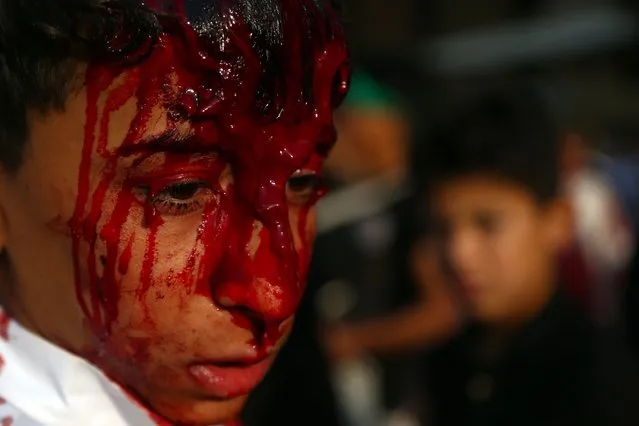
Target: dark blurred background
(374,304)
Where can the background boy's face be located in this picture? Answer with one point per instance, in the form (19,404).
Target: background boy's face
(164,233)
(498,244)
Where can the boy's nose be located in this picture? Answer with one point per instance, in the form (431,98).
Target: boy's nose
(462,251)
(257,277)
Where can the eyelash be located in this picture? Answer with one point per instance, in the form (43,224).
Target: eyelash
(166,204)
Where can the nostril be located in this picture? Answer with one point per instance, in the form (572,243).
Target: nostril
(241,310)
(272,303)
(227,302)
(249,320)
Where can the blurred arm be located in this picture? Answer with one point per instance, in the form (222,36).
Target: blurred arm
(431,319)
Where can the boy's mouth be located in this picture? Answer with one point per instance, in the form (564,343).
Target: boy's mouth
(230,379)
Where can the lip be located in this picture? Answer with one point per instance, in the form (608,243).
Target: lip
(230,380)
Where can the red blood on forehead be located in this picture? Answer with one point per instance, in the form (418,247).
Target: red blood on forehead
(278,110)
(269,124)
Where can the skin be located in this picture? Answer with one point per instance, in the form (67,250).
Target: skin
(500,245)
(152,259)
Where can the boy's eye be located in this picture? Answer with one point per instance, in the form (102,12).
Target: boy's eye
(487,222)
(182,191)
(303,187)
(180,198)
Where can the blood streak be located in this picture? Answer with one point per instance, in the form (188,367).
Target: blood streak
(4,325)
(266,125)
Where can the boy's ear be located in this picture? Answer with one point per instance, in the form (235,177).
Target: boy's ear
(560,225)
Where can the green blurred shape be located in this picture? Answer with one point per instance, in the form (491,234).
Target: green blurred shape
(367,93)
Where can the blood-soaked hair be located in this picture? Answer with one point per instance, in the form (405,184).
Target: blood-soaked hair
(42,42)
(509,132)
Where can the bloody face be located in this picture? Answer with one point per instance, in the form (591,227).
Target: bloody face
(172,204)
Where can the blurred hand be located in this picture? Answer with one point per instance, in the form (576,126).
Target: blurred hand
(342,344)
(371,143)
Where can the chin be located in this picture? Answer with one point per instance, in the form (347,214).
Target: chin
(203,412)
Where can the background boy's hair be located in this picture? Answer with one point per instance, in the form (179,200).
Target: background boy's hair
(42,42)
(509,133)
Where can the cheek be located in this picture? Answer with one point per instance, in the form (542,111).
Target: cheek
(153,277)
(311,226)
(303,222)
(516,255)
(116,262)
(134,270)
(157,266)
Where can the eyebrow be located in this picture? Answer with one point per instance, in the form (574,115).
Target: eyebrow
(174,141)
(170,140)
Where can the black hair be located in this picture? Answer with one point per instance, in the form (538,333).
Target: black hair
(509,133)
(43,41)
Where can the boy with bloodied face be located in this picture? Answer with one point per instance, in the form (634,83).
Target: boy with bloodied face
(160,164)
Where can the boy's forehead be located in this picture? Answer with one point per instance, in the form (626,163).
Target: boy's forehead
(480,191)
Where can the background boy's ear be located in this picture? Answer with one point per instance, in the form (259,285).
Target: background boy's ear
(560,224)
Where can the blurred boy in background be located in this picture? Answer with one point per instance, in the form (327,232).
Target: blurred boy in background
(530,357)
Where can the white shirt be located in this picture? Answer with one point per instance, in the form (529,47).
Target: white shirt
(43,385)
(604,238)
(599,220)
